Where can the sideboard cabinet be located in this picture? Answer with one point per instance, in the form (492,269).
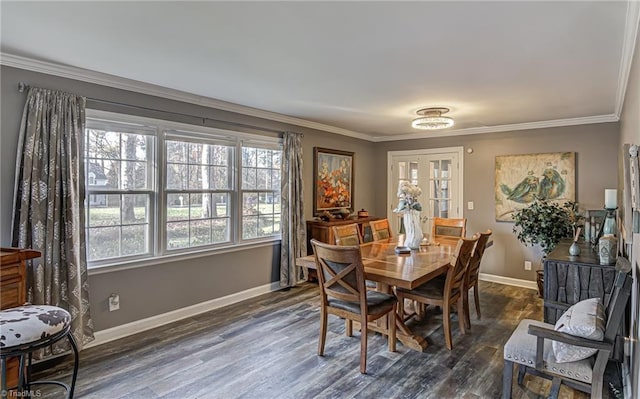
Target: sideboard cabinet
(570,279)
(323,231)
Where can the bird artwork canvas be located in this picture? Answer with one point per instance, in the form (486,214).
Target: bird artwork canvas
(520,179)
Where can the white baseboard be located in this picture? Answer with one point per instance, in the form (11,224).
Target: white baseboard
(516,282)
(110,334)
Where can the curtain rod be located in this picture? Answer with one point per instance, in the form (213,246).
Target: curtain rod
(22,86)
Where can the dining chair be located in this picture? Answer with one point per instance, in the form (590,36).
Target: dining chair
(471,278)
(448,228)
(343,293)
(380,229)
(445,292)
(534,346)
(348,234)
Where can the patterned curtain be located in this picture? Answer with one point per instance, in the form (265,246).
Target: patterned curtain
(48,206)
(294,236)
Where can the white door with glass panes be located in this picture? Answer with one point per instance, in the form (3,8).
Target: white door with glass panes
(438,172)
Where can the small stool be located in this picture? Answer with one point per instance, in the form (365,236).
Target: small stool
(28,328)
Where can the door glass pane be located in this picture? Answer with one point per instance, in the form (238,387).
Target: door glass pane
(402,170)
(434,169)
(413,172)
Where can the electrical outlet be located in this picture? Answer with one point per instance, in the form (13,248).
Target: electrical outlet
(470,205)
(114,302)
(527,265)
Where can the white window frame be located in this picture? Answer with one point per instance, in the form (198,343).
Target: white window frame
(157,214)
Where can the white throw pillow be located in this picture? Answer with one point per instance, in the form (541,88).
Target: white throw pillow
(585,319)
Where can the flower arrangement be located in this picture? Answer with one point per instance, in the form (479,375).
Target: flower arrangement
(408,194)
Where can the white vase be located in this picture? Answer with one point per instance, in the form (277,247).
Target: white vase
(412,229)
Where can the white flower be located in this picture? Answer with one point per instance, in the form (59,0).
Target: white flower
(408,195)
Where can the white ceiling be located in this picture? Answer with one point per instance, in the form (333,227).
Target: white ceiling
(363,67)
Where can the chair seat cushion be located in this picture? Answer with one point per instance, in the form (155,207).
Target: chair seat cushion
(521,348)
(431,289)
(377,302)
(584,319)
(30,323)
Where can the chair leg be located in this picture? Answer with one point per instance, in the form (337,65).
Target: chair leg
(391,326)
(363,346)
(446,315)
(476,298)
(465,298)
(348,327)
(323,331)
(507,379)
(596,387)
(522,371)
(555,388)
(76,364)
(400,306)
(462,316)
(3,366)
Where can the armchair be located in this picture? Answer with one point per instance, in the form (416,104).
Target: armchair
(529,347)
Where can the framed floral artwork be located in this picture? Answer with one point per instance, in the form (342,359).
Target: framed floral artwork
(333,172)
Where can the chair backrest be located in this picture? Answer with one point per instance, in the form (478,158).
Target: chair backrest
(340,272)
(380,229)
(448,228)
(474,263)
(347,234)
(458,266)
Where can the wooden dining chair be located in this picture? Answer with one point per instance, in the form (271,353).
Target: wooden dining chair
(445,292)
(343,293)
(380,229)
(348,234)
(471,278)
(448,228)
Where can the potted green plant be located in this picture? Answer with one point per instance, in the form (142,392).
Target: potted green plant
(545,223)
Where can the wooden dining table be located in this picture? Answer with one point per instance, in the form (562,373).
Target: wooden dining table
(388,269)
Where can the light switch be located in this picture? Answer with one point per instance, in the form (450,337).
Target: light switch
(470,205)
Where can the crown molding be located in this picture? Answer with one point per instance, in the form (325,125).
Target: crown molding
(503,128)
(628,45)
(103,79)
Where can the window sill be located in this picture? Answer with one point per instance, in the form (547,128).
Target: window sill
(134,264)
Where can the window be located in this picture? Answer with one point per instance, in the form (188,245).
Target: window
(260,192)
(119,162)
(198,192)
(204,188)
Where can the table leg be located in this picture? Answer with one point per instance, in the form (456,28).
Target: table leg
(403,332)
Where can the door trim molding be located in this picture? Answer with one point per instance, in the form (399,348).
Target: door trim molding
(391,191)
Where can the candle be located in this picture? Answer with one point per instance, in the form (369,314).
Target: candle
(610,198)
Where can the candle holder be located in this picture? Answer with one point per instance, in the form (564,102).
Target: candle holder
(609,226)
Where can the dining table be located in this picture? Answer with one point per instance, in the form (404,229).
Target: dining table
(389,269)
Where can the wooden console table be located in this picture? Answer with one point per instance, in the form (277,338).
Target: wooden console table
(14,291)
(570,279)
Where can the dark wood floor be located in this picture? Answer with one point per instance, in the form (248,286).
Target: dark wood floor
(266,348)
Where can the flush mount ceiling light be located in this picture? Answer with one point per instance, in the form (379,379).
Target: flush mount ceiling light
(432,119)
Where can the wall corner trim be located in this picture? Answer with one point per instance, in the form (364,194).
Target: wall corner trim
(516,282)
(125,330)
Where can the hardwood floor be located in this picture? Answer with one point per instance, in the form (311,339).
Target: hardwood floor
(266,348)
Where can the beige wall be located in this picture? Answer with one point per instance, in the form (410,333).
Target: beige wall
(160,288)
(630,134)
(596,148)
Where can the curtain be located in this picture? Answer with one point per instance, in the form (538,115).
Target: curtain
(294,236)
(48,207)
